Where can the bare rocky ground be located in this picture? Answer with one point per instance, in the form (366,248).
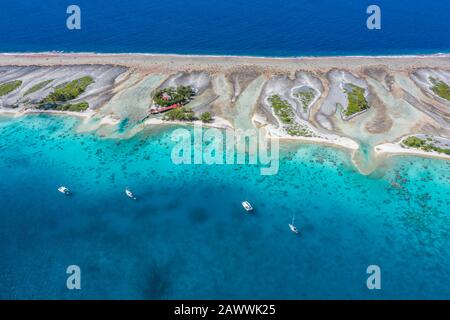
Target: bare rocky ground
(398,92)
(99,92)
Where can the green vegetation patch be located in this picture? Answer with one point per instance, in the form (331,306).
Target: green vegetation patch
(67,91)
(299,130)
(9,87)
(37,87)
(76,107)
(306,97)
(425,145)
(206,117)
(169,96)
(440,88)
(356,100)
(282,109)
(180,114)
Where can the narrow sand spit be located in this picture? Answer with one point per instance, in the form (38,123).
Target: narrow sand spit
(394,149)
(236,91)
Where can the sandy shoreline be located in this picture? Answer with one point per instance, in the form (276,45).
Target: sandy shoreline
(382,151)
(395,149)
(235,89)
(174,62)
(156,54)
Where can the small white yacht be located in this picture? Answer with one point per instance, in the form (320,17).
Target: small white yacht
(64,190)
(247,206)
(129,194)
(293,228)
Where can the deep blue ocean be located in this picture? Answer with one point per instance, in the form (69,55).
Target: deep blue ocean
(231,27)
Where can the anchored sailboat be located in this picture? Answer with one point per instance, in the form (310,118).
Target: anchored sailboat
(247,206)
(129,193)
(64,190)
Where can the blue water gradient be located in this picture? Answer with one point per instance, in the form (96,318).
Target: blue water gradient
(187,236)
(227,27)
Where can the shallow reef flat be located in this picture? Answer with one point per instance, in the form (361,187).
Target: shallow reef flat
(357,103)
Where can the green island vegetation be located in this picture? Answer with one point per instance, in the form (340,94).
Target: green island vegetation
(283,110)
(440,88)
(76,107)
(306,97)
(206,117)
(299,130)
(10,86)
(356,100)
(37,87)
(65,92)
(180,114)
(169,96)
(425,145)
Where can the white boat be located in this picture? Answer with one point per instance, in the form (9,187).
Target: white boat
(293,228)
(129,194)
(64,190)
(247,206)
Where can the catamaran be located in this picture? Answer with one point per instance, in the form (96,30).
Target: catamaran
(247,206)
(129,194)
(64,190)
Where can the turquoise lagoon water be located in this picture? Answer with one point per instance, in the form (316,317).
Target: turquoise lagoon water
(187,235)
